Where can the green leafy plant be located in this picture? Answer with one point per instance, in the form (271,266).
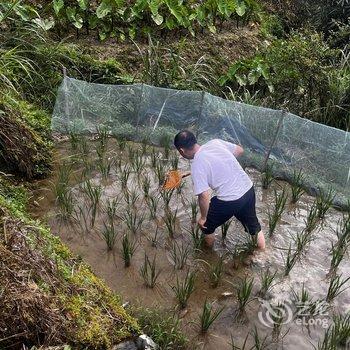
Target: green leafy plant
(170,219)
(109,234)
(152,203)
(133,220)
(312,219)
(267,282)
(336,287)
(244,291)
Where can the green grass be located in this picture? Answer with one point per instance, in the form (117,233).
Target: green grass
(216,271)
(244,293)
(184,289)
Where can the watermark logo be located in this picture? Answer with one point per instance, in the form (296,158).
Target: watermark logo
(270,314)
(302,313)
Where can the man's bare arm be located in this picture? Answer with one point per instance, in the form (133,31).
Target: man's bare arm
(238,151)
(204,201)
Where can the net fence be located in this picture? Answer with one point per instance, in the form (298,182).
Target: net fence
(284,141)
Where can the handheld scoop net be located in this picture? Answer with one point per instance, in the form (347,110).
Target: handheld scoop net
(173,179)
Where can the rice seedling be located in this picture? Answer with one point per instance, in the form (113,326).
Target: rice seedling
(297,185)
(343,231)
(105,166)
(259,342)
(166,196)
(63,194)
(117,164)
(338,252)
(82,218)
(277,316)
(133,220)
(324,201)
(124,176)
(154,158)
(144,145)
(109,235)
(138,163)
(209,315)
(336,287)
(121,143)
(164,142)
(267,176)
(83,147)
(146,186)
(131,198)
(94,195)
(180,187)
(148,272)
(216,272)
(194,210)
(154,239)
(131,154)
(197,238)
(111,209)
(128,249)
(224,228)
(170,222)
(276,214)
(174,162)
(160,172)
(101,151)
(74,140)
(302,240)
(337,335)
(312,219)
(102,133)
(267,282)
(184,290)
(290,261)
(179,254)
(152,203)
(244,292)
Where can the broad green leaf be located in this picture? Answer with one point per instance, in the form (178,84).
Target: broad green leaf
(83,4)
(241,8)
(170,23)
(45,24)
(71,11)
(132,32)
(212,28)
(79,21)
(253,76)
(57,6)
(153,5)
(102,35)
(93,22)
(158,19)
(104,9)
(241,79)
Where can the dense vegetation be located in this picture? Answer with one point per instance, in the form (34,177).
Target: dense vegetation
(302,63)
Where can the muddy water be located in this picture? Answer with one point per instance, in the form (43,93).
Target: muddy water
(88,242)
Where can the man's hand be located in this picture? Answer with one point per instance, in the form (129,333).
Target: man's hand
(201,223)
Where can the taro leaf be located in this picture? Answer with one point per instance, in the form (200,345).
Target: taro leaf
(83,4)
(104,8)
(45,24)
(57,6)
(241,8)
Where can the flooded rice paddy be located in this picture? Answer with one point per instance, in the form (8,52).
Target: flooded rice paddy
(110,189)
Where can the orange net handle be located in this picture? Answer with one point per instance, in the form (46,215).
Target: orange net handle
(172,180)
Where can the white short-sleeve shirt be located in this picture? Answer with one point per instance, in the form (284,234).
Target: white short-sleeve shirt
(215,167)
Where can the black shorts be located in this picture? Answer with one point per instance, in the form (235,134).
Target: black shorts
(243,209)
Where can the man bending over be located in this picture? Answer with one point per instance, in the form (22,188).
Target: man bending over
(214,166)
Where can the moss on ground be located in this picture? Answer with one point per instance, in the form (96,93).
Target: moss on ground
(51,296)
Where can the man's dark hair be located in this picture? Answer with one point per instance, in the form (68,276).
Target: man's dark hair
(185,139)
